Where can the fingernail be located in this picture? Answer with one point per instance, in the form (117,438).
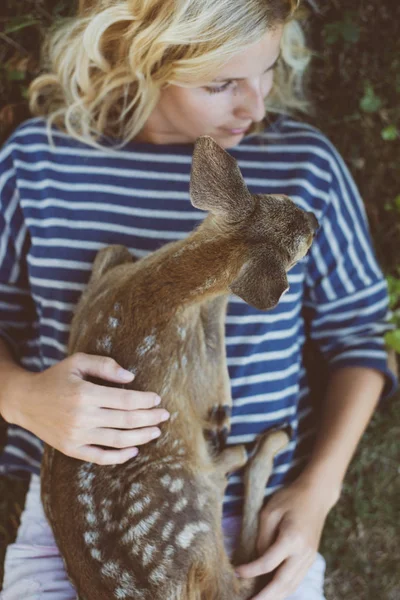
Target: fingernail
(156,433)
(134,452)
(237,574)
(165,415)
(157,401)
(124,374)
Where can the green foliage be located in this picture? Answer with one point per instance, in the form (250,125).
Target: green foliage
(370,102)
(390,133)
(346,30)
(392,338)
(20,23)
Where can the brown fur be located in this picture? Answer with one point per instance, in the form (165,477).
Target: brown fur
(150,529)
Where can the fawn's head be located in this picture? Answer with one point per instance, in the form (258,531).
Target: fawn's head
(274,232)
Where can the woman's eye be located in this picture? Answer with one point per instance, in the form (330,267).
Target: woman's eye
(221,88)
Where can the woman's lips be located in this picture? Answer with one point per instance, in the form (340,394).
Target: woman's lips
(236,131)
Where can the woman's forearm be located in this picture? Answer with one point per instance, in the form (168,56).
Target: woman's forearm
(352,396)
(9,371)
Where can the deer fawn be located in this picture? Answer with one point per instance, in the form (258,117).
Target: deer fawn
(150,529)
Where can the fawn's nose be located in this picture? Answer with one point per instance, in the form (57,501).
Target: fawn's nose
(312,219)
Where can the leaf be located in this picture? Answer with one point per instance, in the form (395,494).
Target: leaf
(347,30)
(331,33)
(350,32)
(13,75)
(397,202)
(393,290)
(392,339)
(20,23)
(370,101)
(390,133)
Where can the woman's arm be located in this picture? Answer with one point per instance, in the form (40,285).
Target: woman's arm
(291,523)
(9,371)
(352,395)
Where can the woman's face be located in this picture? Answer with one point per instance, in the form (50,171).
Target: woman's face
(225,107)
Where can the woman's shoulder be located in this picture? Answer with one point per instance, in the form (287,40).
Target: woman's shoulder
(23,132)
(288,135)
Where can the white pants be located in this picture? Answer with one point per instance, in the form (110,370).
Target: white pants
(34,569)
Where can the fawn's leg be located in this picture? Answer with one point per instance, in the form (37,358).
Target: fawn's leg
(257,473)
(219,401)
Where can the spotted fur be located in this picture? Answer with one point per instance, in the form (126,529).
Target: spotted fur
(150,529)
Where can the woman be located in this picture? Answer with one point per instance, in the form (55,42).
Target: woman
(128,87)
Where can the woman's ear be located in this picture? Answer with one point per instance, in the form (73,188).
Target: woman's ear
(261,282)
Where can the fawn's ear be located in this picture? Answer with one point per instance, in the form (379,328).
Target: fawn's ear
(261,282)
(216,183)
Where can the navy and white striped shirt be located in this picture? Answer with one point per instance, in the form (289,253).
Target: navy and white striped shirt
(60,206)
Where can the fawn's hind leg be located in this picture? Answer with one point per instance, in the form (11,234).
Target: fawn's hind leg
(219,401)
(257,473)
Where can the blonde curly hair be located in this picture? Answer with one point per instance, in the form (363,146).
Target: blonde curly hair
(103,69)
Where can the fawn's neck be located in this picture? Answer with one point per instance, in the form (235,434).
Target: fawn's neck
(197,268)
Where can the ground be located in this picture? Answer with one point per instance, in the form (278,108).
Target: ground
(355,88)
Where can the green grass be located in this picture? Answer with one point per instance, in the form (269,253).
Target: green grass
(361,539)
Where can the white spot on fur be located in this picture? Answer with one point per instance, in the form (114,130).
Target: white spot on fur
(91,518)
(105,513)
(185,537)
(85,477)
(113,322)
(175,466)
(184,361)
(165,480)
(139,506)
(177,485)
(173,416)
(99,316)
(159,574)
(148,552)
(167,530)
(105,343)
(147,345)
(169,551)
(142,528)
(96,554)
(111,569)
(117,307)
(91,537)
(180,505)
(126,586)
(86,500)
(135,489)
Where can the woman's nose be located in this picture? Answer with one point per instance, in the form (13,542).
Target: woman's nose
(252,104)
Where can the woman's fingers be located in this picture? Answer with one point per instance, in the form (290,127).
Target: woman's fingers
(104,457)
(129,419)
(123,439)
(287,578)
(271,558)
(119,399)
(103,367)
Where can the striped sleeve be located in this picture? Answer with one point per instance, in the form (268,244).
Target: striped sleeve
(346,296)
(17,312)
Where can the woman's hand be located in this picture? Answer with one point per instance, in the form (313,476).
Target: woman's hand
(70,414)
(289,534)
